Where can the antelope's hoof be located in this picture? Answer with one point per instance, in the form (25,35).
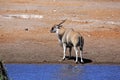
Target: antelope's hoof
(82,62)
(76,62)
(61,60)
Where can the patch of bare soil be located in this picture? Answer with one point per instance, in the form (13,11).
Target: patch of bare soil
(27,39)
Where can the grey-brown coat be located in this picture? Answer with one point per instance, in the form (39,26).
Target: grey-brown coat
(69,38)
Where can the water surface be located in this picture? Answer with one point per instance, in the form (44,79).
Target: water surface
(62,72)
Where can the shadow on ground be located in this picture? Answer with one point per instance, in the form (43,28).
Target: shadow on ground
(84,59)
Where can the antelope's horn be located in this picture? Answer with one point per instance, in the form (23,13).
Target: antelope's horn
(62,22)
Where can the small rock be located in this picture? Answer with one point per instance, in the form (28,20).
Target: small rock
(26,29)
(2,35)
(86,22)
(89,35)
(54,10)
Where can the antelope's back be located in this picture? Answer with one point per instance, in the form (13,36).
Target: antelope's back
(71,37)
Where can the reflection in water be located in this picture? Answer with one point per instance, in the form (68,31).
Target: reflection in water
(62,72)
(70,69)
(70,72)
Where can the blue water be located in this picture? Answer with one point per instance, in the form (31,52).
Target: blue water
(62,72)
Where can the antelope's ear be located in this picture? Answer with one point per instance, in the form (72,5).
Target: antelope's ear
(60,26)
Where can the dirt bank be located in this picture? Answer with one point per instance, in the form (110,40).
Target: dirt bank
(25,30)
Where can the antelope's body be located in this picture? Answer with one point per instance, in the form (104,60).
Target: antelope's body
(69,38)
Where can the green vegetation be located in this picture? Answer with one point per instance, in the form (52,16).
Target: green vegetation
(3,73)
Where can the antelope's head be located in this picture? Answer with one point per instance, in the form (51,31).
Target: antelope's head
(55,28)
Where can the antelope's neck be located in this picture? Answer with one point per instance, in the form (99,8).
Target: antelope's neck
(60,33)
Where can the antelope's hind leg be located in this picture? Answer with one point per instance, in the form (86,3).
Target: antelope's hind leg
(81,52)
(70,50)
(76,52)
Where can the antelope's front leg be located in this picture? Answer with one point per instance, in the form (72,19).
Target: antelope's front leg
(64,51)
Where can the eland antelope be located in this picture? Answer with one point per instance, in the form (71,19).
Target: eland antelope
(69,38)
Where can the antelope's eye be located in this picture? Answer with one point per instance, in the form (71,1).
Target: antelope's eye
(52,28)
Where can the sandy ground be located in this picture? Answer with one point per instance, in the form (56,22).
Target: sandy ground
(25,30)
